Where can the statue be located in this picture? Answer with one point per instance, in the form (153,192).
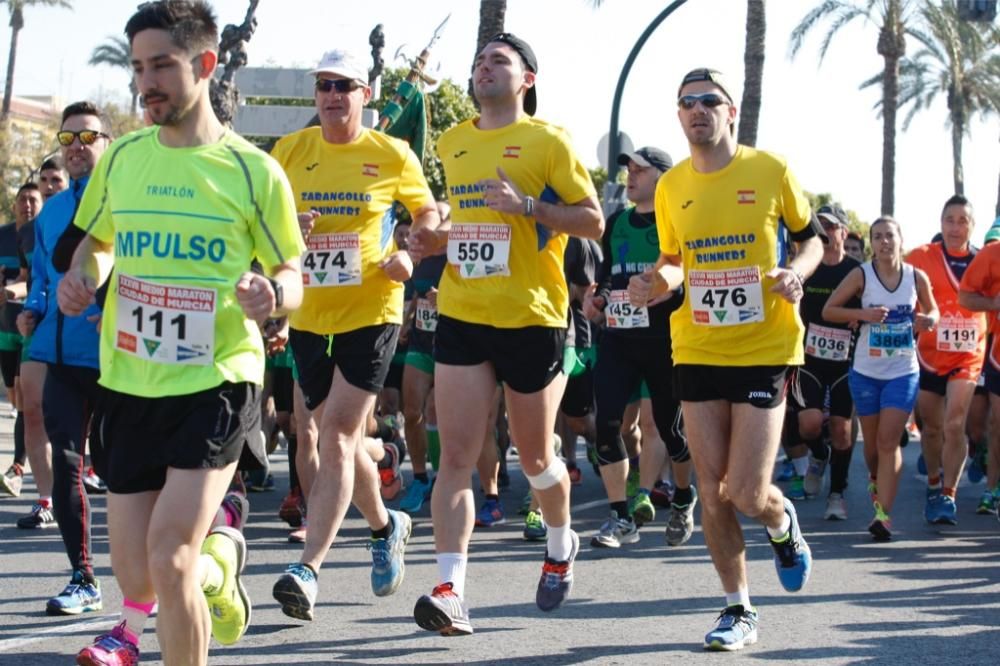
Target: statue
(232,55)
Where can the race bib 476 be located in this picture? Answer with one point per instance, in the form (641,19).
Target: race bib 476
(728,297)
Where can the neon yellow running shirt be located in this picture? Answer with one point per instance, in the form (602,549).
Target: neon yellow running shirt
(185,223)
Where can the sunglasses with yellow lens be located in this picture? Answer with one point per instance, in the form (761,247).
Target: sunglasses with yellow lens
(87,137)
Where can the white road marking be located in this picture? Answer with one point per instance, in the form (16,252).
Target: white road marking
(59,630)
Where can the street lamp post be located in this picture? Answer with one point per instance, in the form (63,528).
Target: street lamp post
(614,140)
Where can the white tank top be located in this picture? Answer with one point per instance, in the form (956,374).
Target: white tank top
(886,350)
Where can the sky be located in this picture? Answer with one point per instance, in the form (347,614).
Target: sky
(814,115)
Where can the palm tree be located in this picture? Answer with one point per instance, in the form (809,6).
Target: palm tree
(753,72)
(894,20)
(953,61)
(116,52)
(491,22)
(16,8)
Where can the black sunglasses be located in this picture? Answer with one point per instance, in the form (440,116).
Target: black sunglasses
(708,100)
(87,137)
(340,85)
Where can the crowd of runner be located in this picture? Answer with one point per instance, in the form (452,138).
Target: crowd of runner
(179,283)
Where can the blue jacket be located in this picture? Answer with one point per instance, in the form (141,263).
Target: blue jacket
(58,338)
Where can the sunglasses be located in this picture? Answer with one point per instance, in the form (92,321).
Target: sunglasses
(708,100)
(86,137)
(340,85)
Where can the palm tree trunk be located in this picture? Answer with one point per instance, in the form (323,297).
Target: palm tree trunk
(753,64)
(957,133)
(491,22)
(16,23)
(890,102)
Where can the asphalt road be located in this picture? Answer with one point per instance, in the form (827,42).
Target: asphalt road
(930,596)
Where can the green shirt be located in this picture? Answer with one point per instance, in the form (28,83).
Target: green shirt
(185,224)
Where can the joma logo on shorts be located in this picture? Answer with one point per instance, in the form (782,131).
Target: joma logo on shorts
(757,395)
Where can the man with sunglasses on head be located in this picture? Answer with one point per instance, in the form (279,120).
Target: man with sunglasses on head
(68,348)
(724,217)
(827,362)
(345,178)
(516,190)
(174,215)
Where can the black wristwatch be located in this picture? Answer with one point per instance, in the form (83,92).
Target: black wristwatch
(279,293)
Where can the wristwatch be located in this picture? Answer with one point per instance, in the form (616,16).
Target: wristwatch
(279,293)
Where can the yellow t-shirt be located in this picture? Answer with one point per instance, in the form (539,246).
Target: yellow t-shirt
(185,224)
(352,186)
(524,283)
(730,228)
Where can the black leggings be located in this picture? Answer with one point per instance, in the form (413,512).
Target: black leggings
(623,363)
(67,402)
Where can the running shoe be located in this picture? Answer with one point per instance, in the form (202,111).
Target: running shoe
(110,649)
(388,567)
(680,525)
(534,527)
(298,535)
(260,482)
(735,628)
(77,597)
(93,483)
(796,489)
(296,591)
(836,507)
(642,509)
(575,475)
(557,578)
(947,512)
(293,508)
(932,507)
(239,506)
(988,502)
(977,465)
(615,532)
(490,514)
(12,480)
(813,481)
(881,525)
(792,557)
(525,505)
(786,472)
(632,482)
(391,481)
(443,611)
(228,604)
(419,492)
(41,516)
(662,494)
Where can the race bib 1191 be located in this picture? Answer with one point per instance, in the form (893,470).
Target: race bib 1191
(957,334)
(165,323)
(479,250)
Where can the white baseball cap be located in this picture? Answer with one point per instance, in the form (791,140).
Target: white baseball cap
(343,63)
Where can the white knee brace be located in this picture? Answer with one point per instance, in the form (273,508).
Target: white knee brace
(550,476)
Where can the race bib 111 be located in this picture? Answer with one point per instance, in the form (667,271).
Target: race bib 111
(165,323)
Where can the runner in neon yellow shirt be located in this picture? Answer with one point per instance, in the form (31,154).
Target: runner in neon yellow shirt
(179,211)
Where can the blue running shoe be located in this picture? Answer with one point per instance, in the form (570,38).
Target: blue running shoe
(932,507)
(947,511)
(792,557)
(796,489)
(490,514)
(557,578)
(787,471)
(735,628)
(296,591)
(419,492)
(387,555)
(977,466)
(77,597)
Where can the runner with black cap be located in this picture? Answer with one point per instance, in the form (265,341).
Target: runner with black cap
(516,191)
(724,217)
(635,348)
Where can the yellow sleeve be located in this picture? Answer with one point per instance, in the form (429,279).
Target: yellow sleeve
(412,189)
(94,213)
(664,225)
(274,220)
(566,173)
(794,205)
